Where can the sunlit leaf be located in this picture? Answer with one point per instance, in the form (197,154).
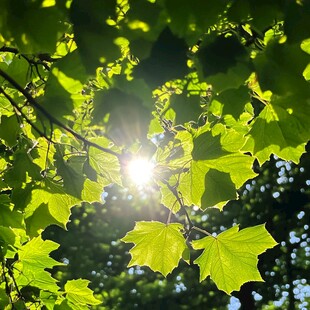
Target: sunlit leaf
(34,257)
(157,245)
(79,294)
(280,129)
(230,259)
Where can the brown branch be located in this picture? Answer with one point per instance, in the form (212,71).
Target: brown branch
(32,62)
(41,56)
(190,223)
(7,286)
(9,49)
(176,195)
(51,118)
(15,106)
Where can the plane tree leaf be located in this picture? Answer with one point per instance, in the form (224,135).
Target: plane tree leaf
(280,129)
(230,259)
(79,294)
(216,171)
(46,204)
(34,257)
(157,245)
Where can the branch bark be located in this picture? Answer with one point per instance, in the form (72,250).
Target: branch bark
(51,118)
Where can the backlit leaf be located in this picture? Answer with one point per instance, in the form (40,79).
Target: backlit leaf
(34,257)
(157,245)
(106,165)
(280,129)
(230,259)
(79,294)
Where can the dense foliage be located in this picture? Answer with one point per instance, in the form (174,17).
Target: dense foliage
(279,196)
(205,90)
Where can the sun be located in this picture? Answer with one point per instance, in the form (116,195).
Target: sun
(140,170)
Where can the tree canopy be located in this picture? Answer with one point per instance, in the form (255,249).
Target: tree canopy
(202,92)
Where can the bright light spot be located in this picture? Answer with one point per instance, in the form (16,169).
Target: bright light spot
(140,171)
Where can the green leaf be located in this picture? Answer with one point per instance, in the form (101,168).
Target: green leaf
(9,217)
(233,101)
(79,294)
(63,92)
(128,117)
(4,299)
(199,14)
(75,182)
(22,169)
(187,108)
(168,199)
(167,60)
(276,71)
(48,299)
(220,54)
(18,69)
(46,205)
(280,129)
(106,165)
(230,259)
(157,245)
(7,236)
(216,189)
(35,254)
(34,257)
(215,173)
(9,136)
(96,40)
(43,27)
(91,191)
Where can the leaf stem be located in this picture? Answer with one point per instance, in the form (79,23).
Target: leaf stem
(202,231)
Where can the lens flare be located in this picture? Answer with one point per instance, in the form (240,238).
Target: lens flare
(140,171)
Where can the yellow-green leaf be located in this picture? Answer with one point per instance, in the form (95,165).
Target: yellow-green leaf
(79,294)
(157,245)
(230,259)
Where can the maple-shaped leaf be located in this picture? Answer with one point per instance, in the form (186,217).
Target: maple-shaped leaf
(230,259)
(216,171)
(157,245)
(79,294)
(280,129)
(47,204)
(34,257)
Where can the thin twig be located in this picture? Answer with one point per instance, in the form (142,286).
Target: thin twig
(179,200)
(15,284)
(42,57)
(203,231)
(15,105)
(52,119)
(169,217)
(7,286)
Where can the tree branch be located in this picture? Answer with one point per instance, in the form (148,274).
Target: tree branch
(15,106)
(42,57)
(190,223)
(179,200)
(51,118)
(202,230)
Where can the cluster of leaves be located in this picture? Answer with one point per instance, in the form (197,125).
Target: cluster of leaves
(92,249)
(85,86)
